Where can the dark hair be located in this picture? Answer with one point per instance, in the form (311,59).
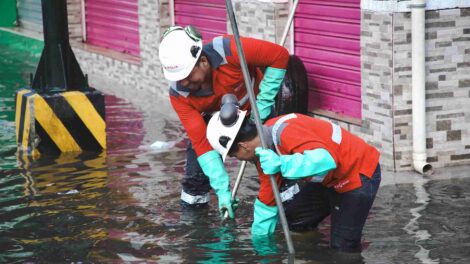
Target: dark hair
(200,57)
(247,132)
(293,95)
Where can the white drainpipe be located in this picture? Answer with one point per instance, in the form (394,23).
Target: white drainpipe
(171,10)
(418,87)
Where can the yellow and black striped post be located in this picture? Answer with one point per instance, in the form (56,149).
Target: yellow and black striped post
(60,113)
(60,122)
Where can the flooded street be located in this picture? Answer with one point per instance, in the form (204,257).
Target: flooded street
(123,205)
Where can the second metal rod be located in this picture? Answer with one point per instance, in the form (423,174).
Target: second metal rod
(237,184)
(289,22)
(254,109)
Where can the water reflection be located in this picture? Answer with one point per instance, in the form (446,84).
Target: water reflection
(123,206)
(412,228)
(217,250)
(265,246)
(52,204)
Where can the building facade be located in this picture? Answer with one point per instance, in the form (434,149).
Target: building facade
(357,54)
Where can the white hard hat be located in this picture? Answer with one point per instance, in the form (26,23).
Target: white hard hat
(221,136)
(179,53)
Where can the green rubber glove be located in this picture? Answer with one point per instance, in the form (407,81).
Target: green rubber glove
(265,219)
(315,162)
(268,89)
(270,162)
(213,167)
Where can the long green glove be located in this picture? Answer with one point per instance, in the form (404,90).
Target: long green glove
(270,162)
(315,162)
(213,167)
(265,219)
(268,89)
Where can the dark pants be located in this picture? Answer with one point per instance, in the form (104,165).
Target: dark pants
(348,210)
(195,182)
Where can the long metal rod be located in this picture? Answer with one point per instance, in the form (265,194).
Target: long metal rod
(254,109)
(289,22)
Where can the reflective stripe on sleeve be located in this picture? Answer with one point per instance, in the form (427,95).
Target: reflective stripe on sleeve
(336,135)
(276,137)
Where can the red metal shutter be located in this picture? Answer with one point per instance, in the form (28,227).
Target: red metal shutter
(209,16)
(113,24)
(327,39)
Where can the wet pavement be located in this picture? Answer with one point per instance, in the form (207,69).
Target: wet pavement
(122,205)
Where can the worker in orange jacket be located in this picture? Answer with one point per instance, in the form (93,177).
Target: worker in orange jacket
(199,76)
(321,169)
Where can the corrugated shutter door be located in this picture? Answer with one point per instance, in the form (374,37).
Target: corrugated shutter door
(30,15)
(327,39)
(209,16)
(113,24)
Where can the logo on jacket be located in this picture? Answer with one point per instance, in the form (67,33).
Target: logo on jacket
(341,184)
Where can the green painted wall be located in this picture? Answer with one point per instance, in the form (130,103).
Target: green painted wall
(20,43)
(19,56)
(7,13)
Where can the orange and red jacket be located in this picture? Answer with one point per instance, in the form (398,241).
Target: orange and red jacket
(352,155)
(227,77)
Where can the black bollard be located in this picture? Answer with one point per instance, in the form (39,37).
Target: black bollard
(60,112)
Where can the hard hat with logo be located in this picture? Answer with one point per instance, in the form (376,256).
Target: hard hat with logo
(179,51)
(223,128)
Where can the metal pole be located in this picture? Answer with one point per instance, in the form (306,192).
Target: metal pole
(58,69)
(289,22)
(254,109)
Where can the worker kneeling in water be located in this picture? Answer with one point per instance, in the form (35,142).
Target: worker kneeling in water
(321,170)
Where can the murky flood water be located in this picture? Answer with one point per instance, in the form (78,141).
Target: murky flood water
(122,205)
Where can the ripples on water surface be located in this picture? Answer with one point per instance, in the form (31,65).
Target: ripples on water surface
(123,205)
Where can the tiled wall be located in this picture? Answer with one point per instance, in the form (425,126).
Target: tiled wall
(376,78)
(447,87)
(262,20)
(386,75)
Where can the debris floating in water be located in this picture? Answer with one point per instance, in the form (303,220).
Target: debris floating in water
(69,192)
(162,145)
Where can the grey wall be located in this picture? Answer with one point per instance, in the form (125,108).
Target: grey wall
(386,65)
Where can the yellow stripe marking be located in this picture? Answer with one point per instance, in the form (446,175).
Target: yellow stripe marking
(19,99)
(88,114)
(53,126)
(35,154)
(26,125)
